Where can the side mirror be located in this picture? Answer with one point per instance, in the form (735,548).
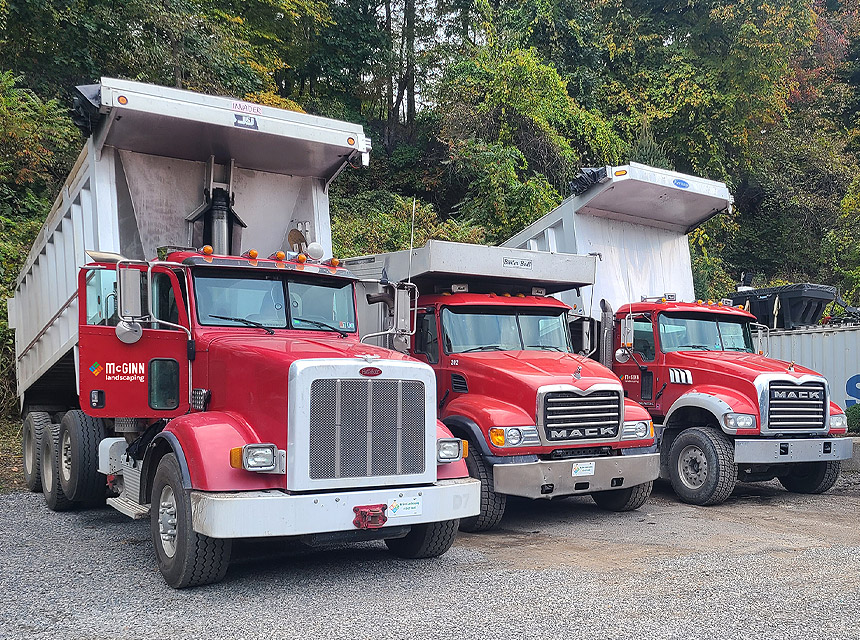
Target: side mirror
(130,291)
(129,332)
(403,311)
(627,331)
(622,355)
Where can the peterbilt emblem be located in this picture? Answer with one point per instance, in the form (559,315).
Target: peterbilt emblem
(370,372)
(572,434)
(798,395)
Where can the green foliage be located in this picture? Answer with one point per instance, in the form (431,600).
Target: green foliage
(646,150)
(380,221)
(853,415)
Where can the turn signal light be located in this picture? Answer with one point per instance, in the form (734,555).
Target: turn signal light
(236,457)
(497,436)
(208,250)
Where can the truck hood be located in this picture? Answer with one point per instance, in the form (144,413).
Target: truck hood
(509,372)
(284,350)
(734,363)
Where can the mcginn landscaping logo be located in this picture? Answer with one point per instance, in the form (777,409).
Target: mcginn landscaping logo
(96,368)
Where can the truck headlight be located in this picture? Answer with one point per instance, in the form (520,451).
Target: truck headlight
(449,449)
(838,421)
(254,457)
(739,421)
(639,429)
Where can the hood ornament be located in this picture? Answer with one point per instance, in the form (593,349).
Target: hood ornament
(368,357)
(578,373)
(791,366)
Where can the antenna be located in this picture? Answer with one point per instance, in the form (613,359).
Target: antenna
(411,241)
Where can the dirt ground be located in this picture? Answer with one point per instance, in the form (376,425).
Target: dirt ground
(11,477)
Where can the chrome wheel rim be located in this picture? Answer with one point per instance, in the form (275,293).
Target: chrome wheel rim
(28,451)
(692,467)
(167,521)
(48,471)
(66,456)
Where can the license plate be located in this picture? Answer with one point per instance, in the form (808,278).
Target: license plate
(582,469)
(400,507)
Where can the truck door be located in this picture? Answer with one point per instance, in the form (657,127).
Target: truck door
(145,374)
(425,345)
(637,374)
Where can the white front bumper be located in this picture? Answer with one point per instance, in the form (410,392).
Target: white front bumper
(258,514)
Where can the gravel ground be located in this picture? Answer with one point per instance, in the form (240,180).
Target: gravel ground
(766,564)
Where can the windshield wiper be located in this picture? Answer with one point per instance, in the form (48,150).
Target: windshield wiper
(550,347)
(697,346)
(486,347)
(321,324)
(250,323)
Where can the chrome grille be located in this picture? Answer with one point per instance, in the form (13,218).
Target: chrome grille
(796,406)
(570,416)
(366,427)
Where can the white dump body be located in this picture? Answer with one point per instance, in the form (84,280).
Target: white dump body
(833,351)
(153,152)
(637,218)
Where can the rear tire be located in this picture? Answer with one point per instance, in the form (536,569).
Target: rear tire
(702,466)
(425,540)
(35,424)
(80,436)
(492,503)
(623,499)
(185,558)
(55,498)
(811,477)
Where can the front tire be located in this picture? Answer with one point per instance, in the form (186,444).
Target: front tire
(811,477)
(623,499)
(425,540)
(55,497)
(492,503)
(80,436)
(702,466)
(35,425)
(185,558)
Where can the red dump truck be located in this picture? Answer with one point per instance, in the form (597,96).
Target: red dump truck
(723,411)
(542,421)
(187,347)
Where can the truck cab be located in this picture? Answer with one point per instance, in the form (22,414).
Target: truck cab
(541,420)
(723,411)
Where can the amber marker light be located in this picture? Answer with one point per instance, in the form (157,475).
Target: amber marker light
(497,436)
(334,262)
(350,141)
(465,448)
(122,100)
(207,250)
(252,254)
(236,457)
(280,255)
(301,258)
(621,172)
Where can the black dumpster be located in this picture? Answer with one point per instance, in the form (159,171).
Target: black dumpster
(789,306)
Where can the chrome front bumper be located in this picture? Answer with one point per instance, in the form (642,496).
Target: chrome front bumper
(258,514)
(786,450)
(579,475)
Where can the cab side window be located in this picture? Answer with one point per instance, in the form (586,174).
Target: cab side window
(101,298)
(643,338)
(164,306)
(427,337)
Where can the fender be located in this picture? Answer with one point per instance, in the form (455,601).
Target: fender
(205,440)
(476,413)
(449,470)
(717,400)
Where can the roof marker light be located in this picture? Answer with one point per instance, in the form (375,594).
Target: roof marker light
(252,254)
(334,262)
(301,258)
(207,250)
(278,255)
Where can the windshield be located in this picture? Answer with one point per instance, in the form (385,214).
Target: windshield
(702,332)
(493,329)
(227,299)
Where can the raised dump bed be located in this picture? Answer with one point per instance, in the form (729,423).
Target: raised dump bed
(636,219)
(154,163)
